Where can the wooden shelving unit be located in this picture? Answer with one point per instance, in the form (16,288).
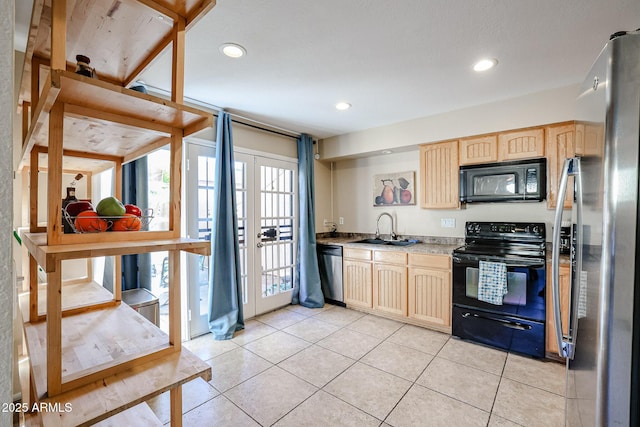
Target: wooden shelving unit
(85,347)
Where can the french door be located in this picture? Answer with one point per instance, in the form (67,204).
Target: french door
(266,197)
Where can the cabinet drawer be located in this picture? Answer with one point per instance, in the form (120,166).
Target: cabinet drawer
(442,262)
(390,257)
(363,254)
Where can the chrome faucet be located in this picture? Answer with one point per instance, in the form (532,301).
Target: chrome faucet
(392,234)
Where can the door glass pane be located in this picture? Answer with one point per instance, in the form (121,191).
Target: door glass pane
(206,177)
(277,230)
(158,167)
(241,211)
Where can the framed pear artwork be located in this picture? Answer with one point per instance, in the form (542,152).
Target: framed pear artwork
(396,189)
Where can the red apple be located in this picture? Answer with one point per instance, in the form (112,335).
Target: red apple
(133,210)
(405,196)
(74,208)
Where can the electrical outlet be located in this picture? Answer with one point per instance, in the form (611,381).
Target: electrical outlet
(447,222)
(341,221)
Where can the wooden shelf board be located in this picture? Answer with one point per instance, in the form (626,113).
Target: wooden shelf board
(75,164)
(74,295)
(102,399)
(93,341)
(103,118)
(140,415)
(109,98)
(47,256)
(117,39)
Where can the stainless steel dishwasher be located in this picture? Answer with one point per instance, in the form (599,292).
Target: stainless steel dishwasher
(330,266)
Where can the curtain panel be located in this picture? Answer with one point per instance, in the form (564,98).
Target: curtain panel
(307,290)
(225,283)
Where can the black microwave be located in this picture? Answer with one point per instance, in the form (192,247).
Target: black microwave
(522,180)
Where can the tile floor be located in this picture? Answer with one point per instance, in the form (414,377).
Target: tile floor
(338,367)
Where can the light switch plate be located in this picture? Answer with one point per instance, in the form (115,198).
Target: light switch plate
(447,222)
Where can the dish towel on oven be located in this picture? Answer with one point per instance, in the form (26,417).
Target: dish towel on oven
(492,282)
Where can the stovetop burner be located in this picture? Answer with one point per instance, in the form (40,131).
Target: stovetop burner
(505,238)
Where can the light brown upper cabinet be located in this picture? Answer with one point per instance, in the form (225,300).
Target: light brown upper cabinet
(521,144)
(560,145)
(590,139)
(439,175)
(478,149)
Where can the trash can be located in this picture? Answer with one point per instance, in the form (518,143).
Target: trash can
(144,302)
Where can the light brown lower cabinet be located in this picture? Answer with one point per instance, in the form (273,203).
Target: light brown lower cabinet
(414,288)
(357,269)
(429,289)
(565,287)
(390,282)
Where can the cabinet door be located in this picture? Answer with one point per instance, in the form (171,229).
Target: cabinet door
(565,285)
(390,288)
(357,283)
(480,149)
(439,175)
(524,144)
(590,139)
(560,145)
(429,298)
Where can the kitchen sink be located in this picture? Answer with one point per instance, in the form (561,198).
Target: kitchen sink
(386,242)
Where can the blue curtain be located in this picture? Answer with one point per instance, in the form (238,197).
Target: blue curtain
(307,290)
(225,284)
(136,269)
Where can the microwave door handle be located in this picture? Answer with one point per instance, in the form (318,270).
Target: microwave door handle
(555,258)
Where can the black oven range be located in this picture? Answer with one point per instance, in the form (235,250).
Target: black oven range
(499,280)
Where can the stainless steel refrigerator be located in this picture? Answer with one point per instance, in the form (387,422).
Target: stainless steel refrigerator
(602,345)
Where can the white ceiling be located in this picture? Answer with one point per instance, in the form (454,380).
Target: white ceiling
(392,60)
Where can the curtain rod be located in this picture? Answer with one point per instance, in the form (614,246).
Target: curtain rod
(260,127)
(193,101)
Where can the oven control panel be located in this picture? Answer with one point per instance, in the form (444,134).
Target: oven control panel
(505,229)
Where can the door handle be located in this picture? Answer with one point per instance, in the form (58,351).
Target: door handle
(566,345)
(260,244)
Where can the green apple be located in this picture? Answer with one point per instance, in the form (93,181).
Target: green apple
(110,206)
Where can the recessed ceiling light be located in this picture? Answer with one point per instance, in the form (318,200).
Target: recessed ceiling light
(387,151)
(233,50)
(343,106)
(485,64)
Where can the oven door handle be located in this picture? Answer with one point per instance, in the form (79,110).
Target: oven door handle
(506,323)
(528,263)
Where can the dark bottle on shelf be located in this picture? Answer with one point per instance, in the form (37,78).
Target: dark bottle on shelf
(71,197)
(83,68)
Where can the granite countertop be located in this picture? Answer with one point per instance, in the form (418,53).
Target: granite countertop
(427,245)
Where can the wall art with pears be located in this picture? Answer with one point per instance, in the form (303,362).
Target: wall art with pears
(396,189)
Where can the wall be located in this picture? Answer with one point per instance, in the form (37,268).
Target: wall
(357,158)
(254,139)
(353,200)
(6,194)
(322,193)
(550,106)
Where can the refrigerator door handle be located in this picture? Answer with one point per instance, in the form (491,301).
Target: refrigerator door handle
(555,257)
(576,271)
